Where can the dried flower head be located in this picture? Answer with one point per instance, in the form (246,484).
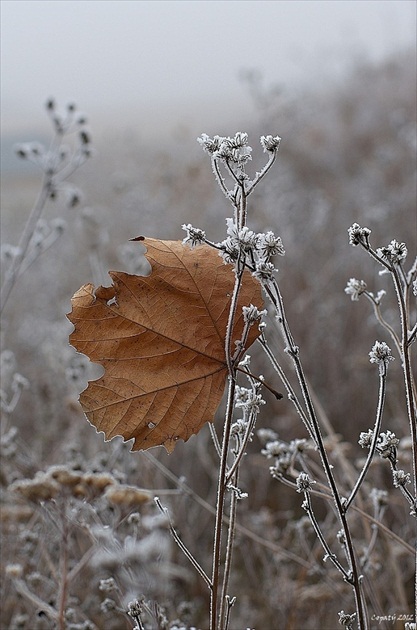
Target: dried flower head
(358,235)
(41,488)
(387,445)
(264,271)
(355,288)
(379,498)
(346,620)
(270,245)
(394,253)
(365,439)
(304,483)
(210,145)
(400,478)
(381,354)
(270,143)
(252,314)
(127,496)
(194,237)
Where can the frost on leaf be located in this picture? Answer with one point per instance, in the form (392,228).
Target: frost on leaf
(161,341)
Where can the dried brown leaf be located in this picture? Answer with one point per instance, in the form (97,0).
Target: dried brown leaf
(161,341)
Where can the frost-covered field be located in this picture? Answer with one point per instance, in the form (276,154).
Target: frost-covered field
(82,537)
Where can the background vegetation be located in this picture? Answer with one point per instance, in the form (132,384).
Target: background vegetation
(348,154)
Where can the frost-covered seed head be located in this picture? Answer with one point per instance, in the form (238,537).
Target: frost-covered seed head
(108,605)
(400,478)
(358,235)
(270,245)
(379,498)
(194,237)
(304,483)
(394,253)
(252,314)
(41,488)
(365,439)
(107,585)
(210,145)
(387,445)
(127,496)
(266,435)
(229,250)
(355,288)
(346,620)
(264,271)
(248,399)
(239,140)
(270,143)
(381,354)
(274,449)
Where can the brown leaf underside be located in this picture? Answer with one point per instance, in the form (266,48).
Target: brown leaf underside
(160,339)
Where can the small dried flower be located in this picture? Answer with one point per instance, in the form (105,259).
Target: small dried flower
(270,245)
(252,314)
(107,605)
(134,518)
(41,488)
(379,498)
(248,399)
(240,140)
(400,478)
(304,483)
(381,354)
(128,496)
(264,271)
(346,620)
(107,585)
(415,288)
(274,449)
(244,239)
(394,253)
(266,435)
(98,481)
(64,476)
(238,428)
(194,237)
(387,445)
(355,288)
(210,145)
(365,439)
(230,250)
(270,143)
(358,235)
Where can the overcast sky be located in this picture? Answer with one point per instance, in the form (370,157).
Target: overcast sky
(165,62)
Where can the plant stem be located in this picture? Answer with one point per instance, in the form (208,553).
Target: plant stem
(377,427)
(220,504)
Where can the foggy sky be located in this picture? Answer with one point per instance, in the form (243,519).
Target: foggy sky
(160,63)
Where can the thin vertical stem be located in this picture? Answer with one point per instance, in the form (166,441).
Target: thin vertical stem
(377,426)
(221,489)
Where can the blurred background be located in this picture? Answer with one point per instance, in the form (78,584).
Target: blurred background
(337,81)
(173,67)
